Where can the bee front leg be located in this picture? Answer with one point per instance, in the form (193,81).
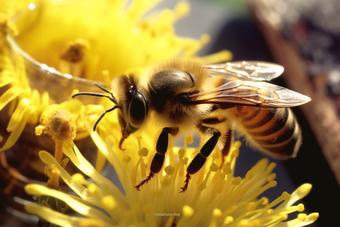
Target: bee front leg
(158,159)
(198,162)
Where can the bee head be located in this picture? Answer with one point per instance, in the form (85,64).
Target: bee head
(133,106)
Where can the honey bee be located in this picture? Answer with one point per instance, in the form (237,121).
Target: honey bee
(184,95)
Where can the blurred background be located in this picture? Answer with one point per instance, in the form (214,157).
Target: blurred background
(303,36)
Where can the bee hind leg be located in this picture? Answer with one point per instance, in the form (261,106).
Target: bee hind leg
(228,136)
(227,145)
(198,162)
(158,159)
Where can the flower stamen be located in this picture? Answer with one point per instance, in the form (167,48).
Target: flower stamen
(72,59)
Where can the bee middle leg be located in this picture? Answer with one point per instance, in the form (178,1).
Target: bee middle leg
(198,162)
(158,159)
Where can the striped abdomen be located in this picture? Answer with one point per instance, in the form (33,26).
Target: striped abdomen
(273,130)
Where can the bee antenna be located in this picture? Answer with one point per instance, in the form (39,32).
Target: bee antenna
(107,91)
(103,114)
(112,98)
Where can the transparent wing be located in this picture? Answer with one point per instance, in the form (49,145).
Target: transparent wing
(251,93)
(252,70)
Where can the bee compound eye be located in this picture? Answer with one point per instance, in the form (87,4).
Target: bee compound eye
(137,110)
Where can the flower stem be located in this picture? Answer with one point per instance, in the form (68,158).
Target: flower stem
(58,150)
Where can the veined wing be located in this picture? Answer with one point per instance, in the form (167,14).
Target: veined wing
(252,93)
(250,70)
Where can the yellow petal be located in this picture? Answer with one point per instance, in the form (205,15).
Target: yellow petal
(101,161)
(307,220)
(298,194)
(221,56)
(9,95)
(88,169)
(139,7)
(83,192)
(6,77)
(44,102)
(18,114)
(14,136)
(57,218)
(36,189)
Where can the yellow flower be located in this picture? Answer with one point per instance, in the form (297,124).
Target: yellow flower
(98,41)
(215,197)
